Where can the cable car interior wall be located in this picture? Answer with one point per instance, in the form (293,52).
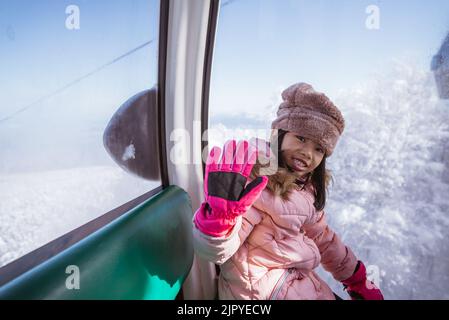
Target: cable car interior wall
(143,250)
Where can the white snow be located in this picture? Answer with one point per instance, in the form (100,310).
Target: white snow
(130,153)
(36,208)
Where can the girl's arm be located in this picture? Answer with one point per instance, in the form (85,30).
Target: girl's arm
(219,249)
(226,217)
(336,258)
(339,260)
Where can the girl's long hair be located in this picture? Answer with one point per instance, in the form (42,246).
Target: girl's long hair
(284,180)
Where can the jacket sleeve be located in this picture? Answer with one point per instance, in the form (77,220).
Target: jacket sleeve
(336,258)
(219,249)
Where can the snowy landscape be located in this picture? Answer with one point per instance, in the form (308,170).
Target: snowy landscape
(36,208)
(389,201)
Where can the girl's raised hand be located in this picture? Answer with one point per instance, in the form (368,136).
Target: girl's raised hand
(225,189)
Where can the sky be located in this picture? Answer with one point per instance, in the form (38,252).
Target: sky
(38,54)
(263,46)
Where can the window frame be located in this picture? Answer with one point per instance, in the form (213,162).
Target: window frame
(36,257)
(207,72)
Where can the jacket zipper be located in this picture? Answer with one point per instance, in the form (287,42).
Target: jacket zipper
(280,283)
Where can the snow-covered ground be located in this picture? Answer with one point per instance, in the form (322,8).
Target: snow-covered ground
(389,201)
(390,198)
(36,208)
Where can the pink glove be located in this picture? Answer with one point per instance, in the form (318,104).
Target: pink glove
(359,287)
(224,188)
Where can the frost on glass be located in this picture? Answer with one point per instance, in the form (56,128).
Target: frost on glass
(64,72)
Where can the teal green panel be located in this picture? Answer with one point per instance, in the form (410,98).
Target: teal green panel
(144,254)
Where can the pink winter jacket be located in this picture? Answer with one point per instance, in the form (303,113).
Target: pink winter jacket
(273,249)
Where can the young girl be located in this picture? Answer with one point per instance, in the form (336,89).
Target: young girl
(270,234)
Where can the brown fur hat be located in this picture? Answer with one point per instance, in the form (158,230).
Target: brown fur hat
(310,114)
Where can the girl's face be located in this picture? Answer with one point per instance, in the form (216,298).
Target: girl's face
(300,154)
